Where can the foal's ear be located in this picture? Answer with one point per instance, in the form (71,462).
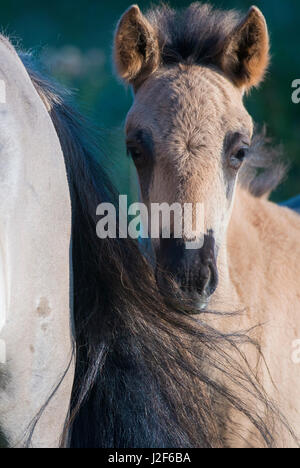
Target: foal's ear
(246,54)
(136,48)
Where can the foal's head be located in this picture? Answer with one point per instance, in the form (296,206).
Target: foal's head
(188,131)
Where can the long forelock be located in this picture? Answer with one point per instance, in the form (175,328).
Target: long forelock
(195,35)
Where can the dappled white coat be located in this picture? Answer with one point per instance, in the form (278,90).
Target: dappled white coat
(35,229)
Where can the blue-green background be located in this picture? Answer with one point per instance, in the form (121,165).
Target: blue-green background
(74,40)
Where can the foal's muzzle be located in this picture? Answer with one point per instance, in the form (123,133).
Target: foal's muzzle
(194,271)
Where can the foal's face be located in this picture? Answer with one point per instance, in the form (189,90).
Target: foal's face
(188,133)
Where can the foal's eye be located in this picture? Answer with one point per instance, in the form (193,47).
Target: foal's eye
(136,154)
(237,158)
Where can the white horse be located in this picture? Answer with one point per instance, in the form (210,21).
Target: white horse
(35,231)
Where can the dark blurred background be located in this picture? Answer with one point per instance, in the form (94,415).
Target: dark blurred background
(74,43)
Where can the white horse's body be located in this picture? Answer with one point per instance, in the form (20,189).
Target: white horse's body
(35,232)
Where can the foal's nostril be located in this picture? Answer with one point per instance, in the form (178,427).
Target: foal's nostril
(192,271)
(208,280)
(203,281)
(214,280)
(203,285)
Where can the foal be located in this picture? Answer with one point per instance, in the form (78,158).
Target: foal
(191,140)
